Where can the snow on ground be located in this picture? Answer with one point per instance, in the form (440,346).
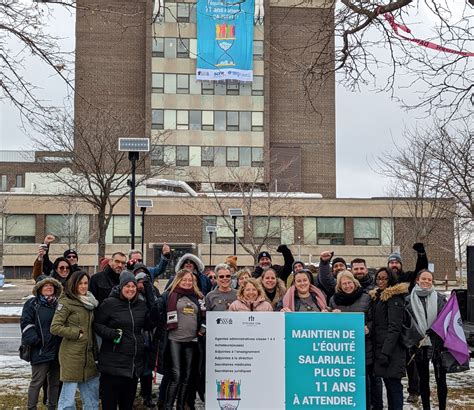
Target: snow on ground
(9,285)
(10,310)
(15,374)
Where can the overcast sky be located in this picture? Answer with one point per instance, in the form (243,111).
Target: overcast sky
(366,123)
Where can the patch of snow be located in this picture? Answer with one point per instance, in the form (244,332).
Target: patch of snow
(10,310)
(15,374)
(9,285)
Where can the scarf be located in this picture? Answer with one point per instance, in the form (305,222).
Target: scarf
(424,320)
(366,281)
(171,306)
(88,300)
(289,298)
(347,299)
(48,300)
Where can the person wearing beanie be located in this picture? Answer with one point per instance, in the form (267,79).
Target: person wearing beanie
(73,258)
(296,267)
(338,265)
(394,263)
(120,321)
(264,261)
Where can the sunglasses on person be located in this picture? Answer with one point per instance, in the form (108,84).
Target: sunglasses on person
(71,256)
(61,268)
(211,276)
(224,276)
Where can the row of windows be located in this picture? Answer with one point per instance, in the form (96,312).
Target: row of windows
(207,120)
(19,182)
(74,229)
(162,83)
(180,47)
(182,155)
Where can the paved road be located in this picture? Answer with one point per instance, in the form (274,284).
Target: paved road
(10,337)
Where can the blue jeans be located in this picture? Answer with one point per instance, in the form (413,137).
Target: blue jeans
(89,395)
(394,393)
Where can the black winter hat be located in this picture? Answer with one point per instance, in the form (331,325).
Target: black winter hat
(338,259)
(69,252)
(125,277)
(264,254)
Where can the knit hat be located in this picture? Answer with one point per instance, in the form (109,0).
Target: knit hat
(231,261)
(69,252)
(140,276)
(140,267)
(125,277)
(338,259)
(296,262)
(395,256)
(264,254)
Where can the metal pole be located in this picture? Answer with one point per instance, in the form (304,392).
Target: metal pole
(210,249)
(132,156)
(235,236)
(143,230)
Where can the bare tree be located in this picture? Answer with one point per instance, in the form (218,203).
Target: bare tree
(99,173)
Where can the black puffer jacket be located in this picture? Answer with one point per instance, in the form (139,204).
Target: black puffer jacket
(125,358)
(101,283)
(35,323)
(359,301)
(387,313)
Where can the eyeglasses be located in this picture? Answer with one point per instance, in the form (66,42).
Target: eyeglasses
(63,268)
(382,279)
(211,277)
(224,276)
(71,256)
(139,260)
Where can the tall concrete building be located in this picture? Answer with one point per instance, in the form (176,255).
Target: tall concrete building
(278,130)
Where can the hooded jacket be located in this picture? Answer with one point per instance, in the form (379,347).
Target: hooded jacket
(76,354)
(259,305)
(35,323)
(125,358)
(387,312)
(203,282)
(101,283)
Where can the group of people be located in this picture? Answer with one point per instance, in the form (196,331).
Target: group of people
(116,324)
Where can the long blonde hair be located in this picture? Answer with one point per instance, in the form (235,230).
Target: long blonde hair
(179,277)
(348,275)
(254,283)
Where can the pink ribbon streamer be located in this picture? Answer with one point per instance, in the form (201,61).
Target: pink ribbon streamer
(428,44)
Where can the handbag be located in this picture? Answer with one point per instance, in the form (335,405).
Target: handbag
(411,333)
(450,364)
(25,353)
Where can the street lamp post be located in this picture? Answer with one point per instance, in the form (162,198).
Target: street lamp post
(234,213)
(133,146)
(210,229)
(143,204)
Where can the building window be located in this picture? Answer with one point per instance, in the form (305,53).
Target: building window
(220,156)
(158,155)
(170,47)
(157,119)
(207,120)
(207,87)
(182,156)
(367,231)
(257,85)
(245,120)
(3,183)
(258,50)
(19,181)
(157,83)
(20,229)
(192,12)
(232,156)
(170,120)
(219,120)
(245,156)
(330,231)
(194,120)
(69,229)
(183,13)
(158,47)
(118,230)
(207,156)
(232,87)
(268,228)
(232,123)
(182,120)
(182,84)
(257,121)
(224,232)
(183,48)
(170,83)
(257,157)
(245,88)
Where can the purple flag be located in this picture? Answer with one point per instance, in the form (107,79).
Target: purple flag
(448,325)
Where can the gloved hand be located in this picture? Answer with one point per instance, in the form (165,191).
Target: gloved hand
(281,248)
(384,360)
(419,247)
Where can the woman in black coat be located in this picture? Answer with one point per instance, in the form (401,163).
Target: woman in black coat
(350,297)
(389,353)
(36,319)
(424,305)
(120,320)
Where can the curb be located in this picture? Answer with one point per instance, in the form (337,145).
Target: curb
(9,319)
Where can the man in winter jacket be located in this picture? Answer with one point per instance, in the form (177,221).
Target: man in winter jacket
(102,283)
(265,261)
(361,273)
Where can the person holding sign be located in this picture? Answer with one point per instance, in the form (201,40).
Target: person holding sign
(351,297)
(250,298)
(424,305)
(303,296)
(390,354)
